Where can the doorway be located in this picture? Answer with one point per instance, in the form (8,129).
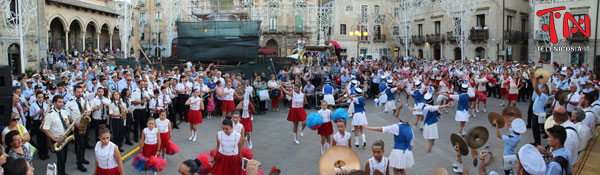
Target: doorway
(14,58)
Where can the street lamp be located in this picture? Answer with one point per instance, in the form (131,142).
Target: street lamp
(358,35)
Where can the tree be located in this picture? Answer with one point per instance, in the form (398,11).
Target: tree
(402,16)
(460,11)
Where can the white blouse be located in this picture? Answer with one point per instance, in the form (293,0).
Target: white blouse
(162,125)
(325,115)
(150,136)
(114,109)
(228,143)
(273,84)
(341,140)
(238,127)
(106,155)
(228,94)
(297,100)
(195,103)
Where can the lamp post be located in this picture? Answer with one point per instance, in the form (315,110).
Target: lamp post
(356,31)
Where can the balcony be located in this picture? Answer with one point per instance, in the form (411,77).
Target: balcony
(578,37)
(524,36)
(418,39)
(479,35)
(541,35)
(512,36)
(380,38)
(285,30)
(451,37)
(435,38)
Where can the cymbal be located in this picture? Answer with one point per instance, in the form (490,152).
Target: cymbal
(549,123)
(511,111)
(338,157)
(543,74)
(498,117)
(377,172)
(439,171)
(476,137)
(462,145)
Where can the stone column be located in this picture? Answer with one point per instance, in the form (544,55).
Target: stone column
(83,44)
(98,40)
(67,41)
(110,40)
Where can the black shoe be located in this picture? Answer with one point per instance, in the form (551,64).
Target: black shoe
(175,126)
(86,162)
(135,140)
(364,144)
(121,150)
(357,145)
(89,147)
(44,157)
(475,163)
(81,168)
(128,143)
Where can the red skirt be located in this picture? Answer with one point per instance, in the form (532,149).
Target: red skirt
(194,116)
(112,171)
(149,149)
(326,129)
(512,97)
(503,91)
(226,165)
(481,95)
(296,115)
(165,138)
(472,99)
(228,105)
(247,122)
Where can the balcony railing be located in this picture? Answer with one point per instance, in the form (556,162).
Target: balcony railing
(435,38)
(512,35)
(418,39)
(578,37)
(541,35)
(451,37)
(286,30)
(380,38)
(479,35)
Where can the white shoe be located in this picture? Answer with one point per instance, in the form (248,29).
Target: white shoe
(502,104)
(250,145)
(458,170)
(352,128)
(484,110)
(297,141)
(194,139)
(190,139)
(301,133)
(455,164)
(474,116)
(476,109)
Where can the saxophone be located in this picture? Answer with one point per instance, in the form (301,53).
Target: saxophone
(123,111)
(85,120)
(67,136)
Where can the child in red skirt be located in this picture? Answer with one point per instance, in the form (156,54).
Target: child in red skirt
(194,116)
(108,157)
(164,128)
(326,128)
(247,108)
(297,113)
(227,157)
(150,144)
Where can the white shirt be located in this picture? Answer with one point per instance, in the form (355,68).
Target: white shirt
(297,100)
(228,143)
(381,166)
(228,94)
(137,95)
(572,141)
(572,97)
(97,115)
(341,140)
(162,125)
(150,136)
(237,127)
(590,118)
(325,115)
(114,109)
(584,134)
(53,124)
(35,107)
(106,155)
(195,103)
(273,84)
(73,108)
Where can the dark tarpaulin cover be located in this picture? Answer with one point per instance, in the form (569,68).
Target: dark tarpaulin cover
(218,40)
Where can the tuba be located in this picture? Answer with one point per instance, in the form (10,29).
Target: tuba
(85,120)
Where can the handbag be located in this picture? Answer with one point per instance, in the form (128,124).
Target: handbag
(32,149)
(275,93)
(263,95)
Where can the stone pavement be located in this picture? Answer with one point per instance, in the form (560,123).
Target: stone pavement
(274,146)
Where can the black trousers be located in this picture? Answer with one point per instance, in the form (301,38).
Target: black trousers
(140,117)
(117,128)
(181,107)
(41,139)
(171,115)
(532,120)
(80,144)
(311,102)
(96,125)
(61,159)
(127,128)
(374,90)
